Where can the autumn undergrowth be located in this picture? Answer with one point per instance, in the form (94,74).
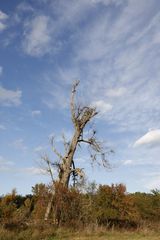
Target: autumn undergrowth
(49,232)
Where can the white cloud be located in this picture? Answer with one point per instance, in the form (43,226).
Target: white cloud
(9,166)
(36,113)
(3,18)
(150,138)
(39,149)
(33,170)
(19,144)
(127,162)
(1,70)
(153,182)
(2,26)
(102,106)
(24,7)
(2,160)
(68,134)
(117,92)
(107,2)
(10,97)
(139,161)
(2,127)
(56,97)
(5,165)
(37,36)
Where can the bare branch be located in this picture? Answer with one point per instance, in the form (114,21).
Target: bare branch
(86,115)
(72,103)
(78,172)
(95,145)
(97,152)
(49,169)
(66,144)
(81,115)
(55,150)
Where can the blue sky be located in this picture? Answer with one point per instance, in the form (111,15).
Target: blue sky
(113,48)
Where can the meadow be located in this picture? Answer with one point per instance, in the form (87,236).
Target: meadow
(65,234)
(110,235)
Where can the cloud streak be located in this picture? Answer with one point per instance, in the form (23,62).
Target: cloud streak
(5,165)
(9,97)
(150,138)
(19,144)
(102,106)
(36,113)
(2,127)
(3,18)
(1,70)
(37,36)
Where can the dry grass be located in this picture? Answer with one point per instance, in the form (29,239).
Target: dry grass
(90,233)
(118,236)
(109,236)
(103,234)
(30,233)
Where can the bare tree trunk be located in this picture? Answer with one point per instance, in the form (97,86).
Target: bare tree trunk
(64,175)
(49,206)
(80,117)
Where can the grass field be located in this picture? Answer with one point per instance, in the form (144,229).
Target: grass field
(67,234)
(111,236)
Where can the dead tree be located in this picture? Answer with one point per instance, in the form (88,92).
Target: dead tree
(81,115)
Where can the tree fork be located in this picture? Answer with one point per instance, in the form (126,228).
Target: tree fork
(80,117)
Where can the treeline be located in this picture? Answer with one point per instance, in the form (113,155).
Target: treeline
(97,206)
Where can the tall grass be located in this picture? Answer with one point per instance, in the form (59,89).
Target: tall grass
(42,231)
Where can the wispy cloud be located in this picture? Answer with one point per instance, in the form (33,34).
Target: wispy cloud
(10,97)
(40,149)
(151,138)
(2,127)
(118,92)
(113,57)
(116,67)
(19,144)
(5,165)
(128,162)
(152,181)
(24,7)
(1,70)
(53,91)
(67,134)
(37,36)
(43,32)
(137,162)
(32,171)
(102,106)
(3,18)
(36,113)
(8,166)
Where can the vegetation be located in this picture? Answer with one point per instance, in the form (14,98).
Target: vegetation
(93,209)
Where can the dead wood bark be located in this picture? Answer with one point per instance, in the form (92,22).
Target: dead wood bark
(80,117)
